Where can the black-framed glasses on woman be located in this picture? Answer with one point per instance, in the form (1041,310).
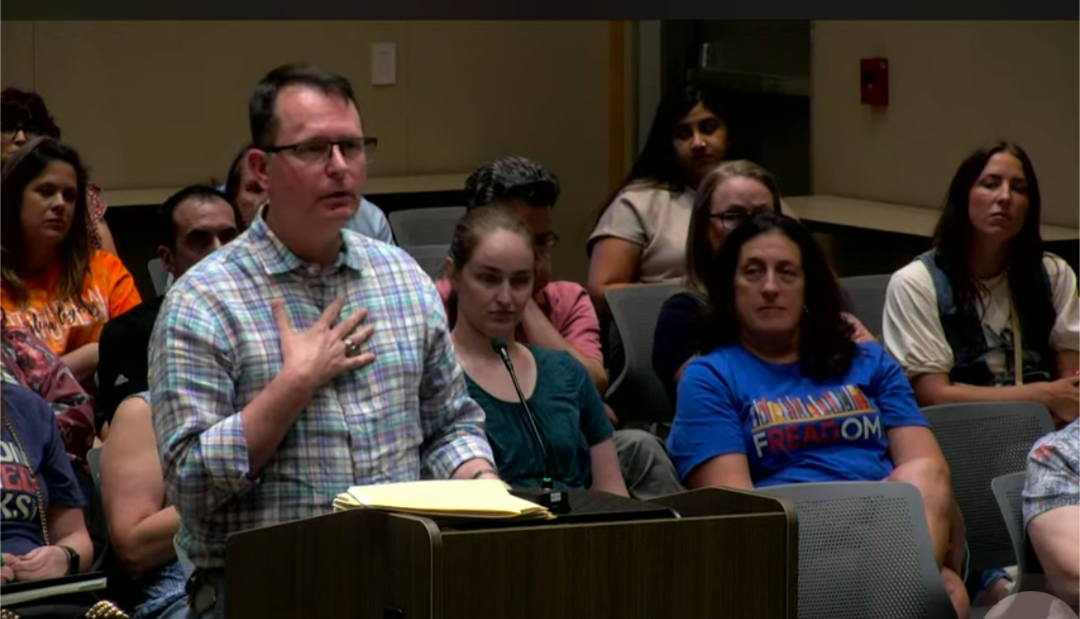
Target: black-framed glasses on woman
(733,218)
(318,151)
(10,130)
(730,219)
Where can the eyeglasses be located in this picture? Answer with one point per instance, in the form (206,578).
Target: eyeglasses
(733,218)
(546,242)
(11,130)
(318,151)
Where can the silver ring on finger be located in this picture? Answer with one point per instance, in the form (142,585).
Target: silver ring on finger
(351,348)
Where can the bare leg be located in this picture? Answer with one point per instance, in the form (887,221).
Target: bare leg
(954,586)
(944,521)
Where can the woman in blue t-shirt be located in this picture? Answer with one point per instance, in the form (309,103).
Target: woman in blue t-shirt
(44,532)
(491,269)
(785,396)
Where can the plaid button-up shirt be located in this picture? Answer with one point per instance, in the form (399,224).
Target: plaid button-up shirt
(215,347)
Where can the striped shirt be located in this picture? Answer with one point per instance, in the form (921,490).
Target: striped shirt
(215,347)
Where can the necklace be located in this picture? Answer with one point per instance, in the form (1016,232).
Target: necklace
(37,485)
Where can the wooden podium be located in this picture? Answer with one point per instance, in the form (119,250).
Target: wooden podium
(732,554)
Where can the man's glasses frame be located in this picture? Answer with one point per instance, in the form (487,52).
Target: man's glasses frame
(318,151)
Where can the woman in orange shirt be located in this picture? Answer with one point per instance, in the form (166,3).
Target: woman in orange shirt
(51,281)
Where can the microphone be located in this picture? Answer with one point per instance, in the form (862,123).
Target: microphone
(553,499)
(502,349)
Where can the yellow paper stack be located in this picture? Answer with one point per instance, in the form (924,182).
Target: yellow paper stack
(476,498)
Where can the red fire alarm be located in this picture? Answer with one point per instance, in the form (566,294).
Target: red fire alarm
(874,81)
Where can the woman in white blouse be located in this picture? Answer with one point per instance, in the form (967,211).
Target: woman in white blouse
(999,285)
(987,315)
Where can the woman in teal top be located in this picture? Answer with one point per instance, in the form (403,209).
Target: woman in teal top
(491,268)
(569,415)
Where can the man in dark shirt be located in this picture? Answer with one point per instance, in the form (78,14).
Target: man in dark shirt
(190,225)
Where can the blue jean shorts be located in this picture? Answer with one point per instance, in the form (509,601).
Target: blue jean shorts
(980,581)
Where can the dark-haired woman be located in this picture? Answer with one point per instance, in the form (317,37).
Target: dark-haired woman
(783,395)
(23,117)
(956,317)
(51,280)
(640,237)
(987,315)
(729,194)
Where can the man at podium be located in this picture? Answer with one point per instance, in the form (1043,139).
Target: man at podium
(302,358)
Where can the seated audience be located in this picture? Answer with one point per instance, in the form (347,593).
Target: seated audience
(53,282)
(782,394)
(23,117)
(191,224)
(44,533)
(1052,509)
(249,195)
(987,315)
(27,361)
(491,270)
(560,315)
(727,196)
(141,522)
(640,236)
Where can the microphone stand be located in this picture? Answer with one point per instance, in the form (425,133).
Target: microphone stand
(555,500)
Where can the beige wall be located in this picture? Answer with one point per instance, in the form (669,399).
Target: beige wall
(17,55)
(952,87)
(163,104)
